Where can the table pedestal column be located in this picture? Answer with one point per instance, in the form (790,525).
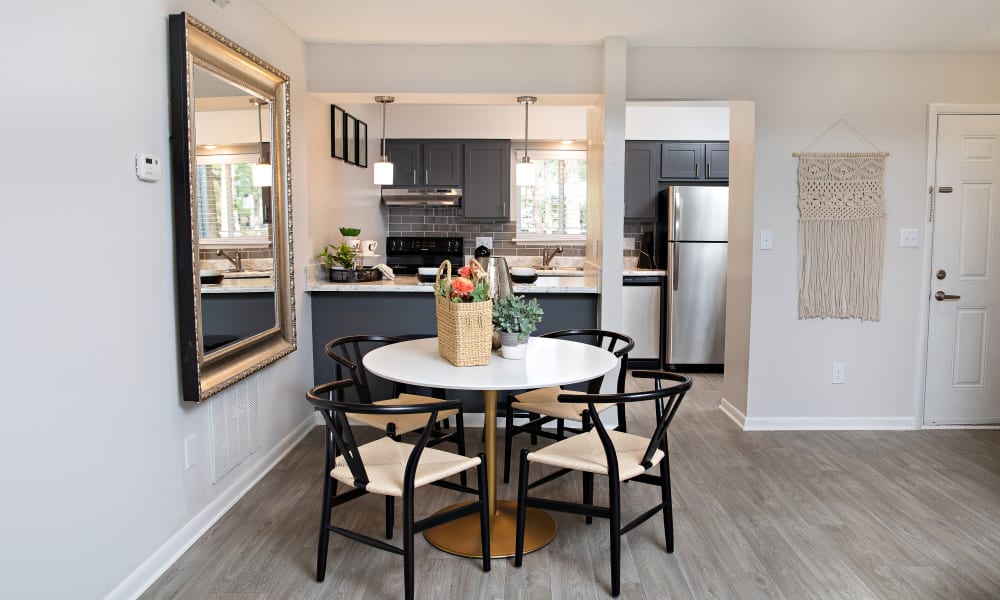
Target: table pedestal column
(461,536)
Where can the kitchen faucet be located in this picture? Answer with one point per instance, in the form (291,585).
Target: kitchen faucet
(237,262)
(547,256)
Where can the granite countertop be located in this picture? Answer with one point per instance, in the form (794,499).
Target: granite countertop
(409,283)
(239,286)
(648,272)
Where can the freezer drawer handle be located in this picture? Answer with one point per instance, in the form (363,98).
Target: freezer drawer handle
(676,266)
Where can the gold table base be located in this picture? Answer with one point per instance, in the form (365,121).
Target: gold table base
(462,537)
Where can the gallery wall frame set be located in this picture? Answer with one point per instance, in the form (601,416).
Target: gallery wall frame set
(348,137)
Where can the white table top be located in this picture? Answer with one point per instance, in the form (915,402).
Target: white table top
(546,362)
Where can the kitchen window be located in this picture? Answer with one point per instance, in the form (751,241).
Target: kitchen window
(231,208)
(555,208)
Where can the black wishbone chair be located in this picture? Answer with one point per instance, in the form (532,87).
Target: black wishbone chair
(540,406)
(394,469)
(618,455)
(347,353)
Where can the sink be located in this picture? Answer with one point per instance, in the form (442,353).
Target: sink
(247,274)
(559,271)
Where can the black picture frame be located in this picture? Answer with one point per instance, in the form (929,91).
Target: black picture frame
(338,142)
(351,133)
(362,137)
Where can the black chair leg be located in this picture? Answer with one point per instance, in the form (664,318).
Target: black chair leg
(614,487)
(622,426)
(390,516)
(668,509)
(329,489)
(522,495)
(460,430)
(588,493)
(561,428)
(408,545)
(484,512)
(508,440)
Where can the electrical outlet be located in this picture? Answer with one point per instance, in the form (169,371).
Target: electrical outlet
(190,452)
(838,373)
(485,241)
(765,239)
(909,238)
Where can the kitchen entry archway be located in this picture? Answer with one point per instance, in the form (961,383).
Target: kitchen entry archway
(962,284)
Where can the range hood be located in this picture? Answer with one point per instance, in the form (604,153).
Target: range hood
(421,196)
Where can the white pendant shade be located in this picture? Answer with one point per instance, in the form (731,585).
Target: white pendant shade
(262,175)
(383,172)
(525,173)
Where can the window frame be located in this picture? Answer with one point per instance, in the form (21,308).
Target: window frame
(567,239)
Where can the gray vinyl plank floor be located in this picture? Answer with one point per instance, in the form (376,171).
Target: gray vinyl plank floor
(775,515)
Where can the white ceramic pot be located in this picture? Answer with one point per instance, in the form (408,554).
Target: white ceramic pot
(511,347)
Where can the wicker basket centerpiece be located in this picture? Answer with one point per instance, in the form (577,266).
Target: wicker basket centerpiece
(464,315)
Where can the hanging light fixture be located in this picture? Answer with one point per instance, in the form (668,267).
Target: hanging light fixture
(383,168)
(262,174)
(525,171)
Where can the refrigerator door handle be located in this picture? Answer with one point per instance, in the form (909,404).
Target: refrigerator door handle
(676,205)
(675,267)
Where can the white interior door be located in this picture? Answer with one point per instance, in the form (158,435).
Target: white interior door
(963,355)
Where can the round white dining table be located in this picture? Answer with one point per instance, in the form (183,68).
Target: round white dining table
(547,362)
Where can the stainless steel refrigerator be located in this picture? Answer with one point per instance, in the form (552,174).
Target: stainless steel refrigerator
(697,235)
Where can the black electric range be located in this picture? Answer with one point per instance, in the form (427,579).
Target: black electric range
(405,254)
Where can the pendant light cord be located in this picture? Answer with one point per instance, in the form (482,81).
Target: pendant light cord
(526,103)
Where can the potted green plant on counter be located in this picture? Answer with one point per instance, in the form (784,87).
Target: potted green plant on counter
(515,319)
(337,258)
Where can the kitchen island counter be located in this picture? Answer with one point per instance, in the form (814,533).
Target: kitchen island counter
(409,283)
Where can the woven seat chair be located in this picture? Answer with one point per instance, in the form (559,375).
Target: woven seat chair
(391,468)
(347,353)
(617,455)
(540,406)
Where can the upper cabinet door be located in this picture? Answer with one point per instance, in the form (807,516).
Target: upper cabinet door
(405,159)
(641,175)
(682,161)
(717,161)
(442,165)
(486,194)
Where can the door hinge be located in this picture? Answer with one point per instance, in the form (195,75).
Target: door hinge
(930,214)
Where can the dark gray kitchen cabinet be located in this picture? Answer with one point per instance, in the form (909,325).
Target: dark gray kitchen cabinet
(425,162)
(694,161)
(717,161)
(642,163)
(486,191)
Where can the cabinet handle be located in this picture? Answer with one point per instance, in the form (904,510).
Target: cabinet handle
(708,170)
(414,177)
(426,177)
(696,170)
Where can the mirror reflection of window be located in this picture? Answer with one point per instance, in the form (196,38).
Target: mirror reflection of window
(229,205)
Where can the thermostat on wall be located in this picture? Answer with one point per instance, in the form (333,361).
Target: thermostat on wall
(147,167)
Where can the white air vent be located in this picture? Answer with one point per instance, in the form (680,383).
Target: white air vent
(235,426)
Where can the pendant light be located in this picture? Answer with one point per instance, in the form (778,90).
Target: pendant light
(262,174)
(525,171)
(383,168)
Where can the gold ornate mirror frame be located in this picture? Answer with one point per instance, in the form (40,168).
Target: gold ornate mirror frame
(194,43)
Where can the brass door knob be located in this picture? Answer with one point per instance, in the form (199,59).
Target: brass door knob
(939,296)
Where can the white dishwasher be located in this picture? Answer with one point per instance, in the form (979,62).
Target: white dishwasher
(641,314)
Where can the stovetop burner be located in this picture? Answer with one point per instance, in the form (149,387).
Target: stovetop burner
(406,254)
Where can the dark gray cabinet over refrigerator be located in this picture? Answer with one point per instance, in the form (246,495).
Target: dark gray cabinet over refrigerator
(425,162)
(486,191)
(694,161)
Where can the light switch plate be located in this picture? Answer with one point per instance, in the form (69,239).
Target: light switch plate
(839,373)
(485,241)
(909,238)
(765,239)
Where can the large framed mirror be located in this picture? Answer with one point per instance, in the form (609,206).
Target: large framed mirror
(231,177)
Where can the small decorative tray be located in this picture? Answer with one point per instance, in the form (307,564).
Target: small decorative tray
(355,275)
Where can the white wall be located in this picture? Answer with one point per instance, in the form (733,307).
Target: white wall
(482,121)
(660,121)
(798,94)
(93,421)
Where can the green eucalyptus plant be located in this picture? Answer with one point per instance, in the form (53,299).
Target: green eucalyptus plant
(514,314)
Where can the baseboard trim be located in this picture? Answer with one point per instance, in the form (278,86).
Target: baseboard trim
(733,413)
(829,423)
(139,580)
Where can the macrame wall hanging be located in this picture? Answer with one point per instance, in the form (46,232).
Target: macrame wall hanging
(841,232)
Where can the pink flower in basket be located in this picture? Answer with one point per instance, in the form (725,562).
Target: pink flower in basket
(472,286)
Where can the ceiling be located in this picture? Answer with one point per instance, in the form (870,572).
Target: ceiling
(905,25)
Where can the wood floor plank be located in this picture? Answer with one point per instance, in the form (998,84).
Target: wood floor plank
(769,515)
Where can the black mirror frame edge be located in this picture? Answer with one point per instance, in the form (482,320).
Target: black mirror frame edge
(202,377)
